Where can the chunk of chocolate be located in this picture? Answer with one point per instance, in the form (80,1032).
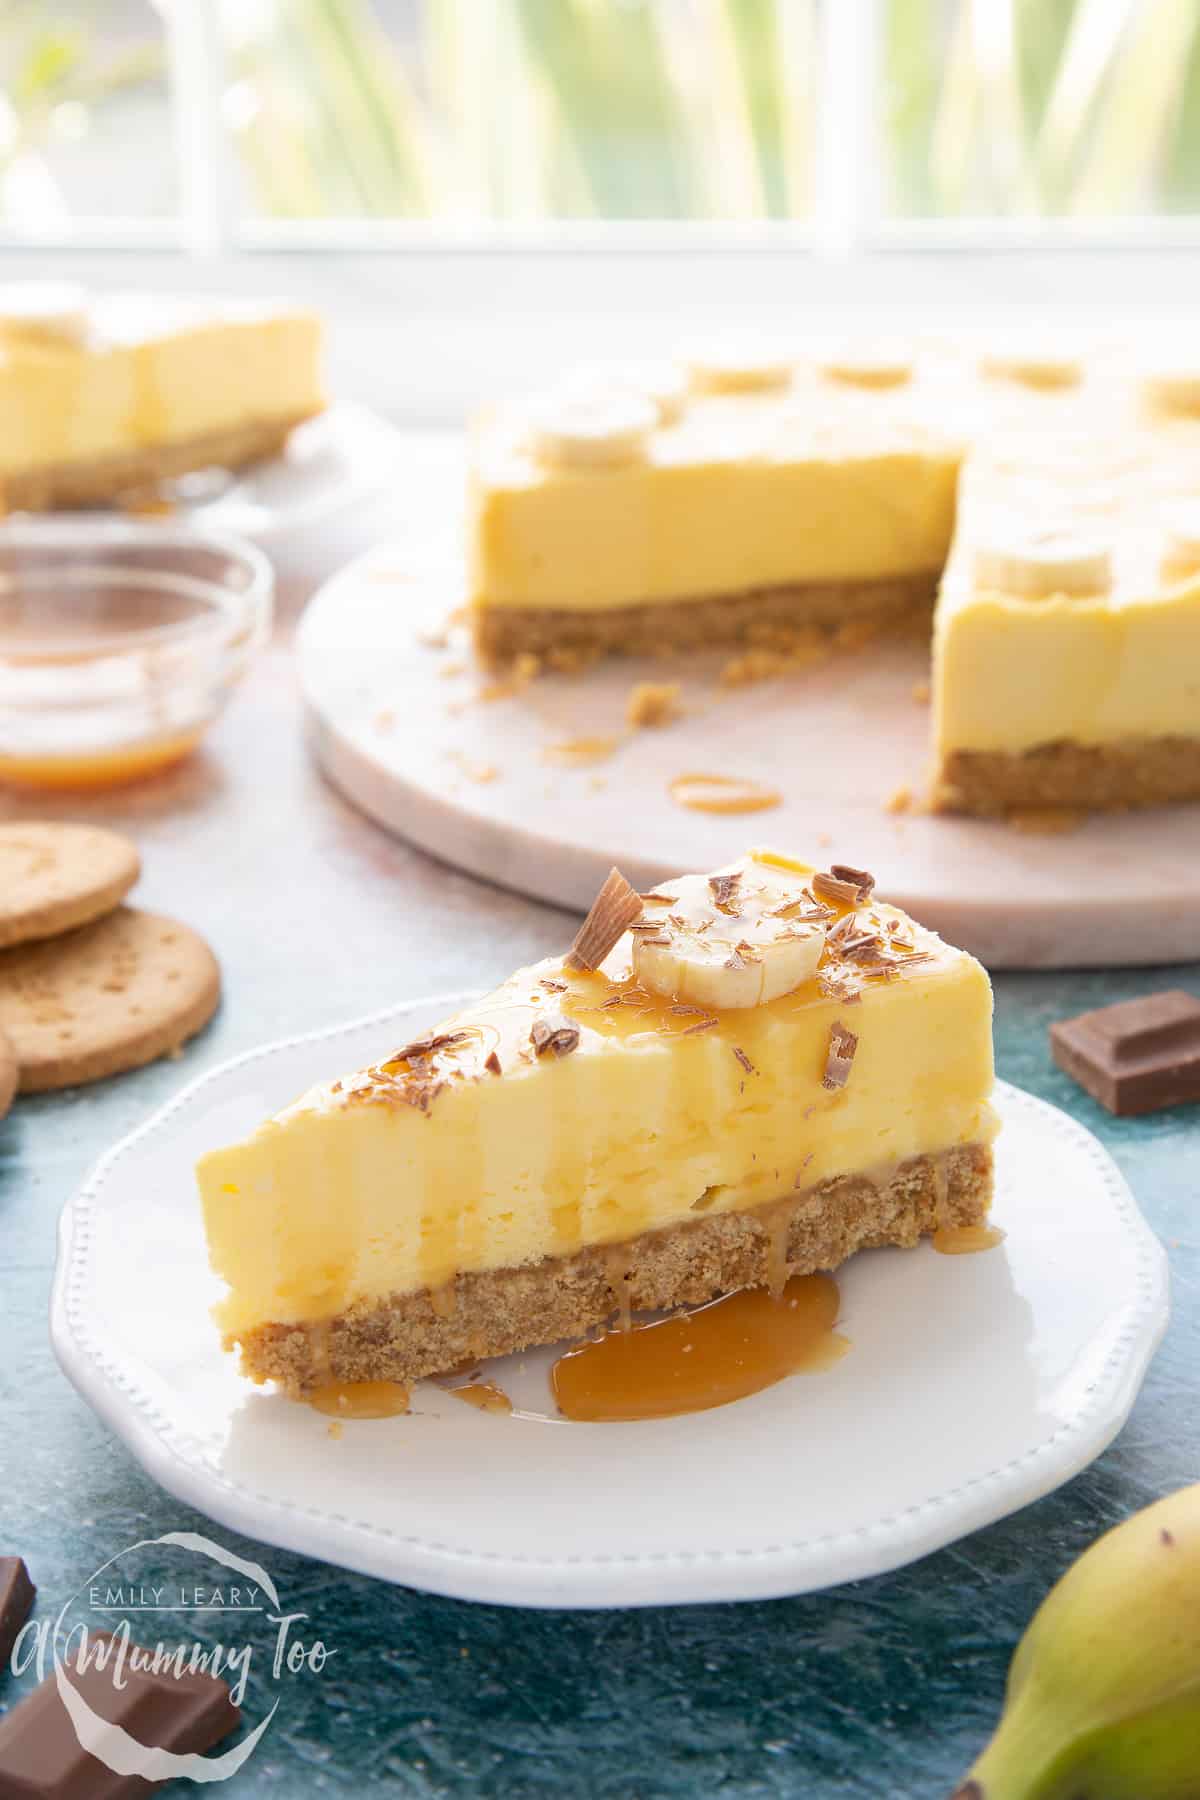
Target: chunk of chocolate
(1136,1057)
(615,908)
(16,1603)
(41,1758)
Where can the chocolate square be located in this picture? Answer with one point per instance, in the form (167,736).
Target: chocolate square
(1137,1056)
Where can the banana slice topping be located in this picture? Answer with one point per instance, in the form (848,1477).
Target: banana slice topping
(867,365)
(589,428)
(1181,544)
(1041,563)
(47,311)
(736,939)
(738,366)
(1172,385)
(1035,362)
(663,383)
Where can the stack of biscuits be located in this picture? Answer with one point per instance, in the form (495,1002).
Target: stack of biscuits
(89,986)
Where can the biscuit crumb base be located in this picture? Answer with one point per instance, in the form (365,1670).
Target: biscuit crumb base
(658,627)
(1089,777)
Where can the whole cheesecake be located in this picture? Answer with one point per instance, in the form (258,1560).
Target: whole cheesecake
(729,1080)
(1044,495)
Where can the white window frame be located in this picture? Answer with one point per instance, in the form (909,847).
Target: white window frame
(425,313)
(847,218)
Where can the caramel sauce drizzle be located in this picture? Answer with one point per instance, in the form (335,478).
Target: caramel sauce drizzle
(486,1396)
(967,1240)
(691,1362)
(360,1399)
(722,794)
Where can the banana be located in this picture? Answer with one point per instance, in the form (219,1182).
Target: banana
(868,365)
(1181,546)
(53,311)
(736,939)
(735,365)
(1043,562)
(1035,362)
(664,384)
(1172,385)
(1103,1694)
(577,428)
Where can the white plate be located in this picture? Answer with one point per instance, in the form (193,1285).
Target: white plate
(973,1386)
(339,460)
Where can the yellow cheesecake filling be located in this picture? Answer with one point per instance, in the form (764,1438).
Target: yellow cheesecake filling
(478,1151)
(152,373)
(741,492)
(1119,659)
(1012,673)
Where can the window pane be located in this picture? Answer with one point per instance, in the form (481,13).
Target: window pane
(85,126)
(474,110)
(1025,107)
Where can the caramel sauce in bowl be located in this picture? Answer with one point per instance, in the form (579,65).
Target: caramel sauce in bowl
(120,642)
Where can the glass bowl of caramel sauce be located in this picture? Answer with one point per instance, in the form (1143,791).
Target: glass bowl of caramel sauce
(120,642)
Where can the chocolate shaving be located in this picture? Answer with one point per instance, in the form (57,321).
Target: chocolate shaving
(831,887)
(744,1060)
(724,891)
(806,911)
(420,1048)
(492,1065)
(748,951)
(555,987)
(841,928)
(861,946)
(614,910)
(736,959)
(862,879)
(658,899)
(800,1181)
(660,939)
(838,1058)
(682,1007)
(701,1025)
(555,1034)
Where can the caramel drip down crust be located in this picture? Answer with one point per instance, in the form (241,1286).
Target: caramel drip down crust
(405,1338)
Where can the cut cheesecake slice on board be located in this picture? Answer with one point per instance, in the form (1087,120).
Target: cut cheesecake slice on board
(727,1081)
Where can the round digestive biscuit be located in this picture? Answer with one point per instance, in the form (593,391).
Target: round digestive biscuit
(8,1074)
(107,997)
(54,877)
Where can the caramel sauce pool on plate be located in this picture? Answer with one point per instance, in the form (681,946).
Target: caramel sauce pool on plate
(693,1361)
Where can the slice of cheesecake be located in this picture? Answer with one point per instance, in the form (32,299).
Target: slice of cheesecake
(1066,663)
(109,395)
(726,1081)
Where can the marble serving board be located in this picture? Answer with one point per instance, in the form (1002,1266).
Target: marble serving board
(489,776)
